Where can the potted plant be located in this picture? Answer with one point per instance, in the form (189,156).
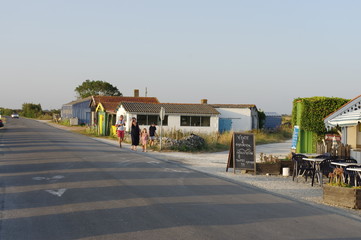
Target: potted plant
(336,192)
(268,165)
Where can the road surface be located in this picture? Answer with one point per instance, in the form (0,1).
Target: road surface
(60,185)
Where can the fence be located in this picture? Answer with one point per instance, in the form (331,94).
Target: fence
(340,150)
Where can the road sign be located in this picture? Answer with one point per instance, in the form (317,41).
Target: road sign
(161,116)
(162,113)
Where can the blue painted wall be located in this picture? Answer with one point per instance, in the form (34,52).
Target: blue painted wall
(225,125)
(80,110)
(272,121)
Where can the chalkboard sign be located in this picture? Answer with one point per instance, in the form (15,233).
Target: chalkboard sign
(242,152)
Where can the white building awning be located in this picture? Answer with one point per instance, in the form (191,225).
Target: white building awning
(346,119)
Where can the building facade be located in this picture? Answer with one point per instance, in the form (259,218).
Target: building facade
(78,110)
(237,117)
(348,118)
(191,118)
(273,120)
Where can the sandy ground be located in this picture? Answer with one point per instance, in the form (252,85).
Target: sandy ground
(216,163)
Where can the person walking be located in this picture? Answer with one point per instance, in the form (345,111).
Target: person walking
(120,125)
(144,138)
(152,133)
(135,132)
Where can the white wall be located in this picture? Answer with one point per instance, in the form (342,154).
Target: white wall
(127,117)
(241,118)
(358,135)
(356,154)
(173,123)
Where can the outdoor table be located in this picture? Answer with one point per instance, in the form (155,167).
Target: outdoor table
(344,165)
(310,155)
(316,169)
(358,171)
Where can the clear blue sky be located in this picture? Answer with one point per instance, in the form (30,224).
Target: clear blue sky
(257,52)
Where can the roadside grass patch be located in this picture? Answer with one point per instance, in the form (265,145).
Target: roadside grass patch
(215,142)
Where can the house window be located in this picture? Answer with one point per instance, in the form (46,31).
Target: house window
(142,119)
(152,119)
(149,119)
(165,120)
(206,122)
(185,121)
(195,121)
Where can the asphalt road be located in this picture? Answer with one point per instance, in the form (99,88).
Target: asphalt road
(60,185)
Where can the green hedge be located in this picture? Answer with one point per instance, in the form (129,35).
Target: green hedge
(315,109)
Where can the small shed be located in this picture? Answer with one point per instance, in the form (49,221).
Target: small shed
(273,120)
(78,109)
(106,116)
(237,117)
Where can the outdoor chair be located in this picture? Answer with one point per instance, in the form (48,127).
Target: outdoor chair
(300,167)
(326,167)
(351,176)
(324,155)
(321,169)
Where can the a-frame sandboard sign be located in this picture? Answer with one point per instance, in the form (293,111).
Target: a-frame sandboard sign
(242,152)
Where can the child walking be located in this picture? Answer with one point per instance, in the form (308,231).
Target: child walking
(144,138)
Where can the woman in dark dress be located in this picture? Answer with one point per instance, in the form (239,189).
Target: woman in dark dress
(134,132)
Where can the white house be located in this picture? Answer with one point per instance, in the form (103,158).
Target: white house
(195,118)
(348,118)
(237,117)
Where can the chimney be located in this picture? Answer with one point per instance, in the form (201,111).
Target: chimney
(136,92)
(204,101)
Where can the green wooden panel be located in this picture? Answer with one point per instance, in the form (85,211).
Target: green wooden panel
(305,142)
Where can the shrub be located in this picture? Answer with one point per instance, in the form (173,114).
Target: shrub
(314,110)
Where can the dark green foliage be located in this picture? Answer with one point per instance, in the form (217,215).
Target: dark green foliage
(31,110)
(92,88)
(315,109)
(6,111)
(261,118)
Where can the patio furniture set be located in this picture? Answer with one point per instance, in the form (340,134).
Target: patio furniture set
(316,167)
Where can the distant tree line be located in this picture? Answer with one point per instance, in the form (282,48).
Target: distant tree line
(30,110)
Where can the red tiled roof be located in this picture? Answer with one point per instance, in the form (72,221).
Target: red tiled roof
(117,99)
(110,106)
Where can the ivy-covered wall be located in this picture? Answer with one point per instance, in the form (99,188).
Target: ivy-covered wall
(313,111)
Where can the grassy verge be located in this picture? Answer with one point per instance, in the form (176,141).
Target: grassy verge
(221,142)
(213,142)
